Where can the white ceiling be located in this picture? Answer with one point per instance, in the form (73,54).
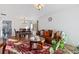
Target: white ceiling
(29,10)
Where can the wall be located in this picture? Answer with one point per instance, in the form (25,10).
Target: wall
(15,13)
(17,22)
(65,20)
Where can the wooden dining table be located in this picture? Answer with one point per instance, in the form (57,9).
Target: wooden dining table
(22,34)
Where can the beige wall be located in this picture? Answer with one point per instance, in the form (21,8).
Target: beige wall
(65,20)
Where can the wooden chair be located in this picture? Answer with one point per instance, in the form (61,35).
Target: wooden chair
(48,36)
(16,33)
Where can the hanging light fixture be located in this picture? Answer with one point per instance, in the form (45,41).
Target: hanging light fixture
(38,6)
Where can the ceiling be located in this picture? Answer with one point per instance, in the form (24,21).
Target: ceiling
(28,10)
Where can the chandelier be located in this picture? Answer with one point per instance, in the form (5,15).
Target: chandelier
(38,6)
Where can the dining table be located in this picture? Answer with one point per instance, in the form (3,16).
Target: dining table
(22,34)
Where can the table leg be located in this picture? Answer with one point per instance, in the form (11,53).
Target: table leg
(4,47)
